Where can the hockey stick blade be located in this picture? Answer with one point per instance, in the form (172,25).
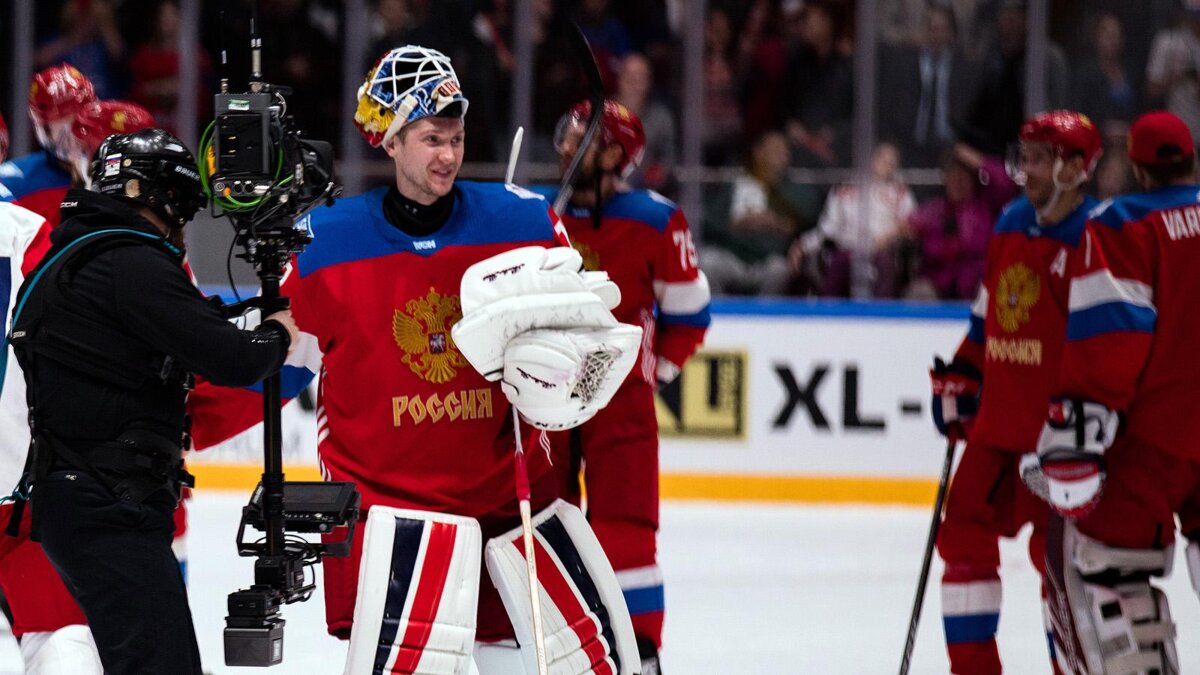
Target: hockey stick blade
(583,53)
(930,542)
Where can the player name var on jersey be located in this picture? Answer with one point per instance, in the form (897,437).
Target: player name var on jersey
(1182,223)
(1023,351)
(468,404)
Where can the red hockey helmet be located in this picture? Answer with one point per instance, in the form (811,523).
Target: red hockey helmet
(618,124)
(57,93)
(3,139)
(97,121)
(1068,133)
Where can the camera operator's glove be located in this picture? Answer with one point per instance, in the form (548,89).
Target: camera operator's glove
(1070,454)
(531,318)
(956,389)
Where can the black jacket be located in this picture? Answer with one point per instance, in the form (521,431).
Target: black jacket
(139,288)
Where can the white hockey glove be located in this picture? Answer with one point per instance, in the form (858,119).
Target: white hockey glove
(1071,454)
(559,379)
(526,289)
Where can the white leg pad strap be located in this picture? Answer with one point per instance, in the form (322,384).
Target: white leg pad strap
(586,622)
(70,650)
(1192,553)
(418,592)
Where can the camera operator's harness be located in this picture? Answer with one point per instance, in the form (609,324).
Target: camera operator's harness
(138,462)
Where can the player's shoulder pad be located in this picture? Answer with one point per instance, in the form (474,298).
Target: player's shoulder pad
(549,192)
(30,173)
(1118,211)
(489,213)
(343,231)
(1017,216)
(644,206)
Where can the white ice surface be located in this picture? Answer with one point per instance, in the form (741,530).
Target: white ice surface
(750,589)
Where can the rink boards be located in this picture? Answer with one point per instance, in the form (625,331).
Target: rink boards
(788,401)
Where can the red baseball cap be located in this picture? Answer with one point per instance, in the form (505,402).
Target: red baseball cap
(1160,137)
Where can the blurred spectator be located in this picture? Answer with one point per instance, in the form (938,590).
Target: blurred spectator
(952,230)
(486,64)
(393,25)
(900,22)
(818,98)
(750,224)
(635,83)
(1104,90)
(303,62)
(771,28)
(924,90)
(1172,70)
(606,34)
(998,109)
(722,113)
(1114,174)
(89,40)
(154,69)
(558,79)
(844,232)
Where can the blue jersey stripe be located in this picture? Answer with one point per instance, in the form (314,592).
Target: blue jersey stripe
(971,628)
(645,600)
(975,330)
(1111,317)
(292,381)
(700,319)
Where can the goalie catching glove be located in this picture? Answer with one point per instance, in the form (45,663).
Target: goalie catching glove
(1069,472)
(533,320)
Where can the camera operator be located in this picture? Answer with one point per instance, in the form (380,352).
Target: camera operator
(108,330)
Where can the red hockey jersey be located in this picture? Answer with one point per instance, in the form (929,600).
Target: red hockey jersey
(645,245)
(1133,320)
(400,411)
(1018,323)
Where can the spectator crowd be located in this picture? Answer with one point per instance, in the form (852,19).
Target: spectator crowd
(778,102)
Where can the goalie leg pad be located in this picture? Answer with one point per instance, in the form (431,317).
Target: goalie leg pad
(586,622)
(418,592)
(1109,618)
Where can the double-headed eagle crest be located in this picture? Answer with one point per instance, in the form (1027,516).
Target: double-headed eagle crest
(1017,292)
(423,332)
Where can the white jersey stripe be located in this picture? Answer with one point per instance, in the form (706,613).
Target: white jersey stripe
(1101,287)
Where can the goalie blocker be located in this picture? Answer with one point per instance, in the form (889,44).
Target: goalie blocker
(419,585)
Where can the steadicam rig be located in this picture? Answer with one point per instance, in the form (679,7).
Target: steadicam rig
(262,174)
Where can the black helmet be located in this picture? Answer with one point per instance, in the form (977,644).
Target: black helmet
(152,167)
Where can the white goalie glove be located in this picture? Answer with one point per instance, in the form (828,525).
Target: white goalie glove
(533,319)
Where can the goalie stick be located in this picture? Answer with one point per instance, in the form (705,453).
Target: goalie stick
(583,52)
(930,542)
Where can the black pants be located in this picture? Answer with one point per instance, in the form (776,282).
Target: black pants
(115,557)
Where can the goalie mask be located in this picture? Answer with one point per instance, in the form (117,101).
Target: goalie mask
(405,85)
(151,167)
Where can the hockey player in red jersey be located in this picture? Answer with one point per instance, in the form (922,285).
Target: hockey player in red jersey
(995,388)
(642,240)
(49,625)
(422,422)
(1118,453)
(39,180)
